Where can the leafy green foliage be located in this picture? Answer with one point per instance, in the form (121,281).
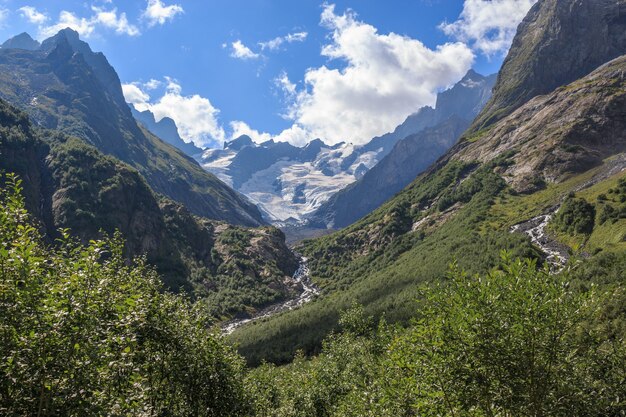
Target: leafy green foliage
(613,205)
(515,341)
(576,215)
(82,332)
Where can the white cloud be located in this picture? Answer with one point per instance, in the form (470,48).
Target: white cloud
(111,20)
(275,43)
(136,96)
(295,134)
(285,85)
(158,13)
(32,15)
(488,25)
(241,51)
(386,77)
(152,84)
(195,116)
(86,27)
(239,128)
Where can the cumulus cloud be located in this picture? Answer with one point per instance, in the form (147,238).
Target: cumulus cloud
(32,15)
(385,77)
(239,128)
(285,85)
(4,15)
(276,43)
(195,116)
(488,25)
(152,84)
(296,135)
(85,26)
(158,13)
(111,20)
(136,96)
(241,51)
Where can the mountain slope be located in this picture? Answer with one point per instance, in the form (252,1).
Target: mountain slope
(408,158)
(65,86)
(410,155)
(464,208)
(551,137)
(543,56)
(70,184)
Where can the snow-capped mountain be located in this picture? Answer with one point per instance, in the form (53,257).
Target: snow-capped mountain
(285,181)
(290,183)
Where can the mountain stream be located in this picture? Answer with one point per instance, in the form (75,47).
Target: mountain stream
(309,292)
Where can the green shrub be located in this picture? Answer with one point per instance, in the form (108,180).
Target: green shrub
(83,333)
(576,215)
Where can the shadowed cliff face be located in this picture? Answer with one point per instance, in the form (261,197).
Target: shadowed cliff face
(63,85)
(558,42)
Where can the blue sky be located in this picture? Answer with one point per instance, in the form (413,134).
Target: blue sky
(342,70)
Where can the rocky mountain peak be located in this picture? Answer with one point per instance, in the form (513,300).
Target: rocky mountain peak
(544,57)
(466,98)
(95,60)
(166,130)
(21,41)
(238,143)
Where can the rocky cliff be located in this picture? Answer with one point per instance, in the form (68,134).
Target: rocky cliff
(544,56)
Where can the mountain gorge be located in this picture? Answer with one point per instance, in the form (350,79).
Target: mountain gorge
(469,263)
(567,144)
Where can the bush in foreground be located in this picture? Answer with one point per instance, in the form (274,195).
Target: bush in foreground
(82,333)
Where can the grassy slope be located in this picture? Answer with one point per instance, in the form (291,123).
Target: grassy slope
(386,281)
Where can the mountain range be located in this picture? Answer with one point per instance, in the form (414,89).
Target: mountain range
(412,151)
(65,86)
(301,186)
(87,166)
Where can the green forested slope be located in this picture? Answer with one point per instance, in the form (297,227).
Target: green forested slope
(83,332)
(70,184)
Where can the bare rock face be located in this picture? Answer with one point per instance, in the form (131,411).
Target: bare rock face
(558,42)
(568,131)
